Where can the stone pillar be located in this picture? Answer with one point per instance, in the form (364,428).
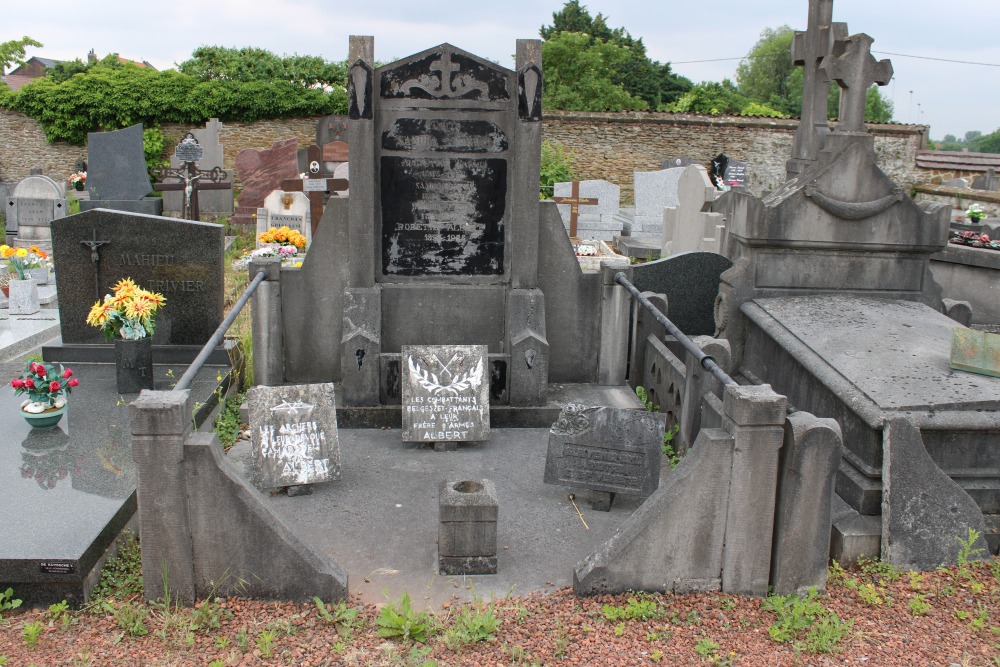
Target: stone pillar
(361,139)
(161,423)
(268,353)
(803,519)
(467,527)
(524,222)
(529,349)
(697,383)
(361,345)
(644,325)
(755,416)
(615,305)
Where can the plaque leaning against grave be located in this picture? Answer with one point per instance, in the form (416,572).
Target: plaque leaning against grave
(293,435)
(445,393)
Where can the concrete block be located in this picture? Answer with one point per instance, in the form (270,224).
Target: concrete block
(467,527)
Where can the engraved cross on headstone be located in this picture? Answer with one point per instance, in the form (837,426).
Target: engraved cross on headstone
(95,257)
(854,69)
(445,68)
(575,201)
(808,50)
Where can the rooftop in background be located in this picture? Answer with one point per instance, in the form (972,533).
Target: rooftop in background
(34,67)
(958,160)
(15,81)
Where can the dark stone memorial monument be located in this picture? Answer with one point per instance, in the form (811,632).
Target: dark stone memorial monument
(182,260)
(293,434)
(446,393)
(117,178)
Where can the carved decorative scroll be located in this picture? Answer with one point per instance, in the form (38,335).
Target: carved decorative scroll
(853,210)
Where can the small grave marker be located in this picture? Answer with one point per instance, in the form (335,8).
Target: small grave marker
(445,393)
(575,201)
(293,434)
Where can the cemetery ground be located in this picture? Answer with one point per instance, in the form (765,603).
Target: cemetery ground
(871,614)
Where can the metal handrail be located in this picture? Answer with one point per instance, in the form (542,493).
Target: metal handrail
(216,338)
(706,360)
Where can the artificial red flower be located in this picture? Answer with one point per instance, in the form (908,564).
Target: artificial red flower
(40,370)
(54,386)
(17,383)
(73,382)
(29,383)
(67,373)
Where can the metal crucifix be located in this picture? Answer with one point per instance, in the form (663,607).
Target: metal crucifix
(95,257)
(192,179)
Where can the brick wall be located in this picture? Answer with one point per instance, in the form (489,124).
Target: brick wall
(606,145)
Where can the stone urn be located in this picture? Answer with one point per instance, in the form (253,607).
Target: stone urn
(23,297)
(134,364)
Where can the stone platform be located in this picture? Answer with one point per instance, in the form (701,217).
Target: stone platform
(864,360)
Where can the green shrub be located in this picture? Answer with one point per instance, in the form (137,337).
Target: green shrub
(557,167)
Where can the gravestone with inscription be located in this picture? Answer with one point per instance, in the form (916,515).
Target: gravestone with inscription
(118,178)
(32,206)
(597,222)
(444,168)
(446,393)
(260,172)
(181,259)
(606,449)
(654,191)
(285,209)
(216,202)
(735,175)
(293,435)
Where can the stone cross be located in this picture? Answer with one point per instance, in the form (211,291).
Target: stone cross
(854,69)
(574,201)
(95,257)
(192,179)
(315,188)
(808,50)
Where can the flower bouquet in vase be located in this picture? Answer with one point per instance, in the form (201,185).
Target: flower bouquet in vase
(128,317)
(77,180)
(22,290)
(47,386)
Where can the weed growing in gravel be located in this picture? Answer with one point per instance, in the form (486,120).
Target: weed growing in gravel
(919,606)
(620,629)
(562,641)
(398,620)
(917,580)
(706,648)
(878,570)
(982,616)
(222,642)
(130,618)
(634,610)
(227,424)
(122,574)
(343,617)
(656,655)
(32,632)
(7,601)
(59,612)
(519,656)
(967,554)
(869,595)
(794,615)
(3,661)
(265,643)
(218,662)
(522,613)
(473,622)
(995,568)
(242,640)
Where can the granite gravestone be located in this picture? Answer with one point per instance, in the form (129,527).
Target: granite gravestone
(293,434)
(285,209)
(690,226)
(735,175)
(35,202)
(260,172)
(691,282)
(654,191)
(606,449)
(988,181)
(446,393)
(598,222)
(118,178)
(218,202)
(182,260)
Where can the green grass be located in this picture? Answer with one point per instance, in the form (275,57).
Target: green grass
(227,424)
(121,577)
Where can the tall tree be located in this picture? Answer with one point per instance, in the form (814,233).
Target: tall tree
(253,64)
(12,52)
(638,75)
(578,74)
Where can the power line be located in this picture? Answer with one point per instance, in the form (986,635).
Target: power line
(713,60)
(943,60)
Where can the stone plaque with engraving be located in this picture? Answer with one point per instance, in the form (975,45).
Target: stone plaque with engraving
(606,449)
(445,393)
(183,260)
(293,435)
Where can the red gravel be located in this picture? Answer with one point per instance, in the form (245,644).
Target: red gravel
(960,627)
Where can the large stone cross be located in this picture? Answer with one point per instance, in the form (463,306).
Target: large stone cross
(808,50)
(854,69)
(575,201)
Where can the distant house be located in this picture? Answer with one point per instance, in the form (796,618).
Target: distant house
(36,67)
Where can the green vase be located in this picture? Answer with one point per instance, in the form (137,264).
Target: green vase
(46,419)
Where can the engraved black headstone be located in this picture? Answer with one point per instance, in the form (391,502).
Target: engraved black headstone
(446,393)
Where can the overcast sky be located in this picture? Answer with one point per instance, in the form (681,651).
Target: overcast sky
(950,97)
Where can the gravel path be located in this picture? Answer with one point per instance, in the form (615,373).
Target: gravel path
(870,615)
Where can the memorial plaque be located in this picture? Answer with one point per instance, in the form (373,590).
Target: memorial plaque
(181,259)
(335,151)
(606,449)
(443,216)
(293,435)
(314,185)
(736,174)
(189,150)
(445,393)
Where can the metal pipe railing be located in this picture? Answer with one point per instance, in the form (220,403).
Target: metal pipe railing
(217,337)
(706,361)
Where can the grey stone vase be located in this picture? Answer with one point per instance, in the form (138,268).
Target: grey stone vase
(134,364)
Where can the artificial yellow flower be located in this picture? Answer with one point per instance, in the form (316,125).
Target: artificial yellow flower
(99,314)
(21,253)
(125,286)
(139,308)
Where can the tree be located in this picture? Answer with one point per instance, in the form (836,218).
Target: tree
(578,74)
(13,52)
(253,64)
(638,75)
(987,144)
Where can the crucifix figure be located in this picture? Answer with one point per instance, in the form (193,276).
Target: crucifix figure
(192,179)
(575,201)
(95,257)
(854,69)
(808,50)
(314,188)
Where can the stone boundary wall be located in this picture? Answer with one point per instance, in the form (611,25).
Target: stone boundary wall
(960,198)
(608,146)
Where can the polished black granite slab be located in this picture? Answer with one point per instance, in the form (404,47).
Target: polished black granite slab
(66,492)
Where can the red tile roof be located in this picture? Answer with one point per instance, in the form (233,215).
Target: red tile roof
(958,160)
(15,81)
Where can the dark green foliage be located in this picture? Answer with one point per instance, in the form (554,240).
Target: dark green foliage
(109,97)
(989,144)
(253,64)
(122,574)
(556,167)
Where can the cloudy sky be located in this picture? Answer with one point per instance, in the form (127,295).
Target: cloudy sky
(950,97)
